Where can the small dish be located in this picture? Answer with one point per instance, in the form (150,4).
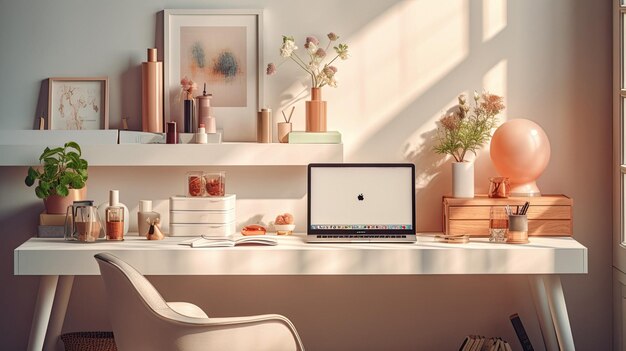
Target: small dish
(284,229)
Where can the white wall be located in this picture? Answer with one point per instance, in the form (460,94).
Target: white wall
(410,59)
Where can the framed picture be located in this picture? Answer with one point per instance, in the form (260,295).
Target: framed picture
(78,103)
(222,49)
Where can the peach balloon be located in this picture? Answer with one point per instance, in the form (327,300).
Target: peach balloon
(520,150)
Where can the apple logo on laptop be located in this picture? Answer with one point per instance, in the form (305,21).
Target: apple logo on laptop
(361,197)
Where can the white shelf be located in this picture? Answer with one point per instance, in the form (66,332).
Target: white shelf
(225,154)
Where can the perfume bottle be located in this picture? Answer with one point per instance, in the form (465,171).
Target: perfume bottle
(145,216)
(115,216)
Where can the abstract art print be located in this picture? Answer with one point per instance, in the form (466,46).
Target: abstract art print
(216,56)
(77,103)
(219,48)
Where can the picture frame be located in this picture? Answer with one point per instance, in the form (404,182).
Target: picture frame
(222,48)
(78,103)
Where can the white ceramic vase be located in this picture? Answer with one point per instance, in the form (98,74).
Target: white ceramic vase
(463,179)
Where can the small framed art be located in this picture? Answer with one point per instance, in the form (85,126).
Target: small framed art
(78,103)
(222,49)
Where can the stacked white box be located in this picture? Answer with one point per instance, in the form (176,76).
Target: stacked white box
(195,216)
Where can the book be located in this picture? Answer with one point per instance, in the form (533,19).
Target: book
(314,138)
(50,231)
(231,240)
(521,332)
(52,219)
(137,137)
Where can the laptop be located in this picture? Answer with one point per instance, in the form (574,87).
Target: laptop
(361,202)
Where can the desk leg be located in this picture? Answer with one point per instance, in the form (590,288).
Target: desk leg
(552,312)
(43,308)
(57,316)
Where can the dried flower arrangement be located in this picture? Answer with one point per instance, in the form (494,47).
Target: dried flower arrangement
(187,87)
(321,75)
(468,128)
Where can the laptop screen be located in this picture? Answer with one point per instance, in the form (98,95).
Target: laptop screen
(361,198)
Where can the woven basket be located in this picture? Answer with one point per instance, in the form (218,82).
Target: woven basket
(89,341)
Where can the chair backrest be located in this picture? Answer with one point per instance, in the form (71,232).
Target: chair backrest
(133,303)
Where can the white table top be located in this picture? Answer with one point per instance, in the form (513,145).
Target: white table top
(293,256)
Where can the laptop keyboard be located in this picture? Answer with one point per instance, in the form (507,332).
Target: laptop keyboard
(361,236)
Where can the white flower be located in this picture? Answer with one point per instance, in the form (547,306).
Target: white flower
(288,47)
(312,48)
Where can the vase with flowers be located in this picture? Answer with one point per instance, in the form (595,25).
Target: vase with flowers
(466,129)
(187,88)
(321,73)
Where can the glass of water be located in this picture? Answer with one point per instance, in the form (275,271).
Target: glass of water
(498,224)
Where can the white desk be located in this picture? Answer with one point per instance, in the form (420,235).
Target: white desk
(57,262)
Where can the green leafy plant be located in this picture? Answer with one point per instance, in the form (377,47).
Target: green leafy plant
(63,169)
(468,128)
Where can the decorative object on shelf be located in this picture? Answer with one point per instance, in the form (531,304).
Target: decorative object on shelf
(201,137)
(284,128)
(154,232)
(321,74)
(82,222)
(253,229)
(498,223)
(114,196)
(115,217)
(263,126)
(520,150)
(215,183)
(195,184)
(463,179)
(548,215)
(284,224)
(332,137)
(518,229)
(187,87)
(195,216)
(499,187)
(78,103)
(205,117)
(145,216)
(62,179)
(171,137)
(152,94)
(224,49)
(467,128)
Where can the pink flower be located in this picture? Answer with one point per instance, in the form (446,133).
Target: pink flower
(311,39)
(271,69)
(320,53)
(332,36)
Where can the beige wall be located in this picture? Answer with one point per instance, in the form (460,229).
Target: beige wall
(410,59)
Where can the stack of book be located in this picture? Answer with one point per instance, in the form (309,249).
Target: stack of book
(51,225)
(481,343)
(331,137)
(196,216)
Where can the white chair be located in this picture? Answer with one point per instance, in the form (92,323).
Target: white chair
(142,320)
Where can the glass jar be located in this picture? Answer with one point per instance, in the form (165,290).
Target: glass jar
(215,183)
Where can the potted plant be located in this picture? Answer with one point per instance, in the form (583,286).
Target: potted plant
(466,129)
(61,179)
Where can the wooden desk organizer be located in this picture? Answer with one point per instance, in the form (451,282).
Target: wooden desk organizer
(548,215)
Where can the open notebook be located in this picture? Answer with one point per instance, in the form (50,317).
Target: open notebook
(231,240)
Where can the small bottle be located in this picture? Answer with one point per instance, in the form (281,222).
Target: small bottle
(201,137)
(263,126)
(171,137)
(145,216)
(114,217)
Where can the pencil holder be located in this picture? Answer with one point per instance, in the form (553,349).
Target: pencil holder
(518,229)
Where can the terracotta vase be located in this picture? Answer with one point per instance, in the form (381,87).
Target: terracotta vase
(56,204)
(316,112)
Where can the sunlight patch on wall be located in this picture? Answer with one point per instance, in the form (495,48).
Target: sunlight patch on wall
(396,58)
(494,18)
(495,82)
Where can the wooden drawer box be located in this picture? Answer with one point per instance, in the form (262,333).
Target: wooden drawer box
(548,215)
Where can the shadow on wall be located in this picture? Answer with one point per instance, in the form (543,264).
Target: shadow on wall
(390,98)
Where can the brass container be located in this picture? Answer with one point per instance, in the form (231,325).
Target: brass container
(316,112)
